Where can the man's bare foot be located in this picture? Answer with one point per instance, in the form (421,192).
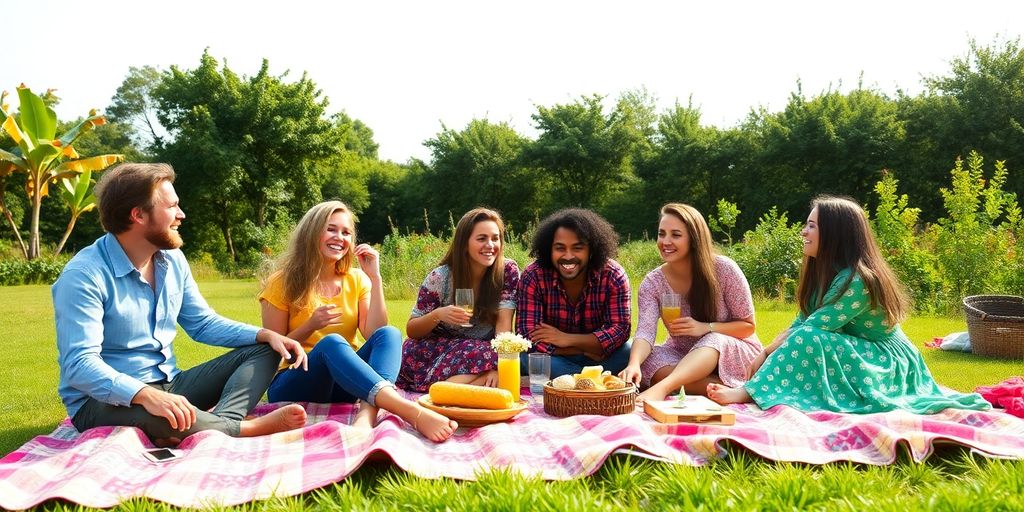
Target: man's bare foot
(289,417)
(725,395)
(366,417)
(432,425)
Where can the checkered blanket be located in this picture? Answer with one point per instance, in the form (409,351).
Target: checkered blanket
(105,466)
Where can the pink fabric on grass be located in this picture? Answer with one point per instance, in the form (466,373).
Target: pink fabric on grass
(1008,394)
(104,466)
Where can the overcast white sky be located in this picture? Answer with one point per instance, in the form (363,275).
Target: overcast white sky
(404,68)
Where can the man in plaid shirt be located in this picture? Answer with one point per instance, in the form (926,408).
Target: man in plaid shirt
(573,300)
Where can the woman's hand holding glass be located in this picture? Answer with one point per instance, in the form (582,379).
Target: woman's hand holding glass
(454,315)
(687,326)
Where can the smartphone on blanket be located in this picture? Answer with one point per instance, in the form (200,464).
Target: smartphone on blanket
(161,454)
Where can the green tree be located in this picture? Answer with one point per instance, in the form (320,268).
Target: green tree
(584,151)
(986,111)
(249,148)
(481,165)
(133,105)
(833,143)
(41,155)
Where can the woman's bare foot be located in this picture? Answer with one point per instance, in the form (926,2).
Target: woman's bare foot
(432,425)
(366,417)
(652,394)
(289,417)
(725,395)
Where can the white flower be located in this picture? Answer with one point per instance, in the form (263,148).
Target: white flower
(509,343)
(855,305)
(842,318)
(869,324)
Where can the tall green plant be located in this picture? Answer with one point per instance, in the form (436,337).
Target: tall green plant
(895,225)
(44,157)
(77,194)
(975,241)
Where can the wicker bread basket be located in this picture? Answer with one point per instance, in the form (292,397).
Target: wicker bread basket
(995,324)
(570,402)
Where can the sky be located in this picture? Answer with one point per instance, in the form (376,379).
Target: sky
(409,69)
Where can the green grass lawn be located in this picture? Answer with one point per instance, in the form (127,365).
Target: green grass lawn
(953,481)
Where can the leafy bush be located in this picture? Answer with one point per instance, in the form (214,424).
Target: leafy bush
(894,224)
(638,258)
(976,244)
(770,256)
(43,270)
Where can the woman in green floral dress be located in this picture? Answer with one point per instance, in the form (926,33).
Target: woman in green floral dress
(845,352)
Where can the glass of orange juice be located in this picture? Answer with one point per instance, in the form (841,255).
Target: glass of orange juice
(670,307)
(508,373)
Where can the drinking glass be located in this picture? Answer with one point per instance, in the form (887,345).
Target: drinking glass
(464,300)
(540,373)
(670,307)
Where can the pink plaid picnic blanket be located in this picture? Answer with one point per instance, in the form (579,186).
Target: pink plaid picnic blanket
(105,466)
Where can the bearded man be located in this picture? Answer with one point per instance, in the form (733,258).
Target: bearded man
(117,305)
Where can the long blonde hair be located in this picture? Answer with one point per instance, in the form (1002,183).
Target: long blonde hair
(457,259)
(301,261)
(704,288)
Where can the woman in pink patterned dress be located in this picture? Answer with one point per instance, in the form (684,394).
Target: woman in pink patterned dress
(713,340)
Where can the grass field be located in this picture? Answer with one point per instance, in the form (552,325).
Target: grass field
(953,481)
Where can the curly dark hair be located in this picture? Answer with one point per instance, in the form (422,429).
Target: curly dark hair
(592,229)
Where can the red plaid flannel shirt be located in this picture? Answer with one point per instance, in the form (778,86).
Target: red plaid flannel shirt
(602,309)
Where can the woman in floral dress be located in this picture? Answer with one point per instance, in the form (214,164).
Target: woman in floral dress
(440,345)
(845,352)
(713,339)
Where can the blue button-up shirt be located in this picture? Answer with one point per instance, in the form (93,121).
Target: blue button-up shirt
(115,332)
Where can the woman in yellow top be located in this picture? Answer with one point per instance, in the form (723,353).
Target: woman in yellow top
(319,299)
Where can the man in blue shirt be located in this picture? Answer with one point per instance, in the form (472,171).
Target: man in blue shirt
(117,304)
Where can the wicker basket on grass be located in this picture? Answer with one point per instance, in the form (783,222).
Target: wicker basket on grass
(570,402)
(995,324)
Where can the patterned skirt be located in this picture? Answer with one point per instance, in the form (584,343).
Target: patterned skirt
(429,360)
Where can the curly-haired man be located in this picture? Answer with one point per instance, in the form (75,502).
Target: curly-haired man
(573,300)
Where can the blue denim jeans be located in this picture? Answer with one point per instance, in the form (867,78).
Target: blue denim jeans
(567,365)
(339,374)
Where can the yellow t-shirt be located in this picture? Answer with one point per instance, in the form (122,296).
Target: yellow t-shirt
(355,287)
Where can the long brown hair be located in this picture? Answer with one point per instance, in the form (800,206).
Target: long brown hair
(301,261)
(457,259)
(704,288)
(845,240)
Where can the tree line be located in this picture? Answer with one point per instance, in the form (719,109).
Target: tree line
(254,152)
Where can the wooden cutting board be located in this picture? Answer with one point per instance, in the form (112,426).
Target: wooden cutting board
(697,409)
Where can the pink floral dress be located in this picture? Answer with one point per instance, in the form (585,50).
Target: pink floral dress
(451,349)
(734,355)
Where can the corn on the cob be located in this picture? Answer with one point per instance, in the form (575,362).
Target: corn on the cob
(466,395)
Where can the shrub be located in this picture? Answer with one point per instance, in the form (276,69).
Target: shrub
(770,256)
(894,224)
(976,244)
(43,270)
